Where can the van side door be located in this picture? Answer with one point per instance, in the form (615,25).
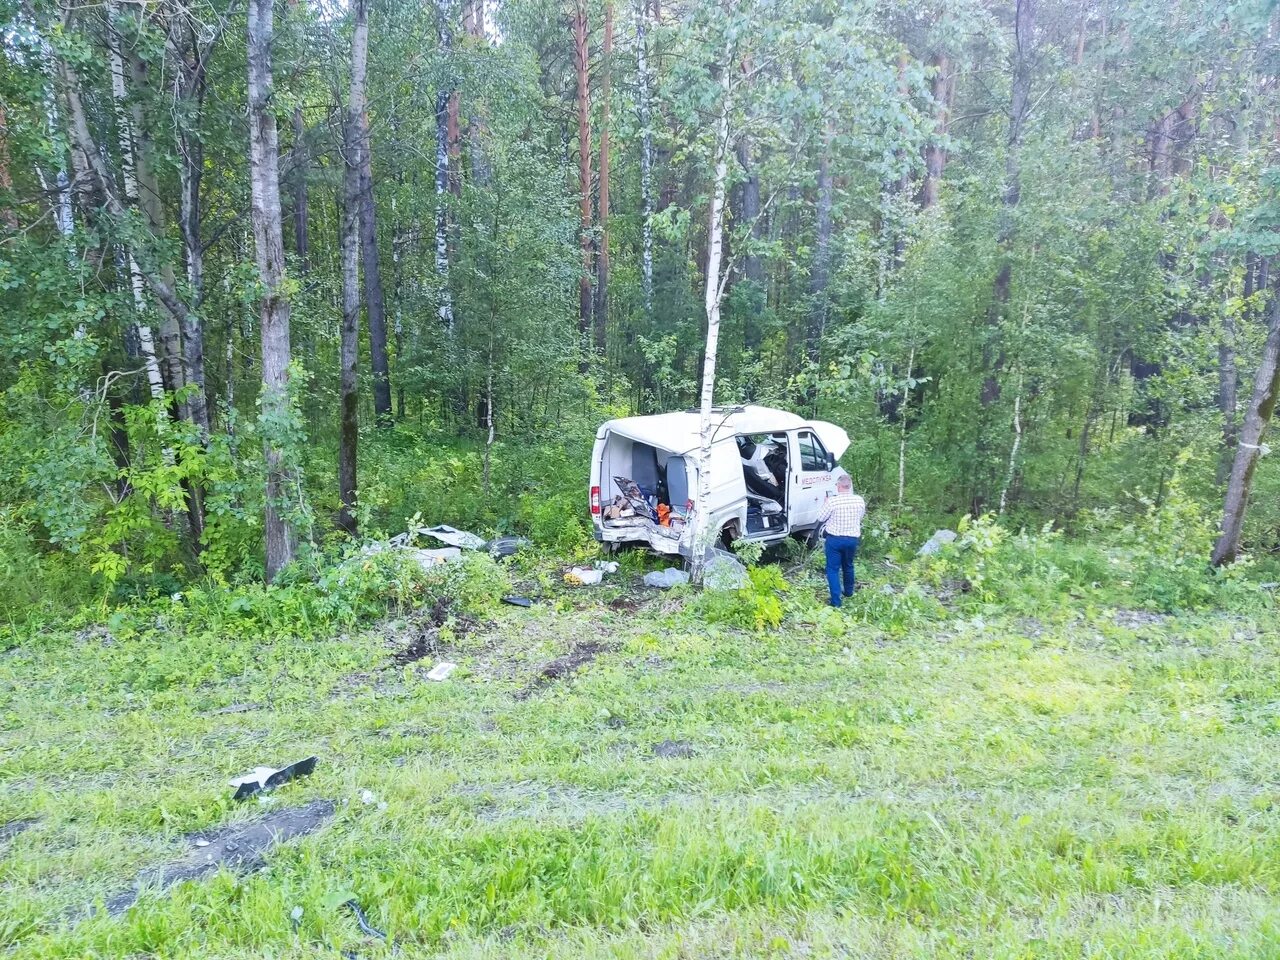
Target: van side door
(811,478)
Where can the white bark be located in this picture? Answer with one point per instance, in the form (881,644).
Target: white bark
(442,181)
(646,158)
(702,532)
(124,120)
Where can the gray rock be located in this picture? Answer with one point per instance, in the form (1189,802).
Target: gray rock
(935,543)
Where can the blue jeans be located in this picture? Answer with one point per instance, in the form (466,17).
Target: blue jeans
(840,555)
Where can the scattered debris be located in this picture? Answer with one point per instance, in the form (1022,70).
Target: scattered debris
(441,671)
(936,542)
(506,546)
(583,576)
(427,559)
(365,926)
(446,534)
(367,797)
(518,601)
(673,750)
(268,778)
(14,827)
(666,579)
(723,571)
(241,847)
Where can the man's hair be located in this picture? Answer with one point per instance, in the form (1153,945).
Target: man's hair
(844,482)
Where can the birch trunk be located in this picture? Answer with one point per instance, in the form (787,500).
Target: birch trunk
(702,532)
(349,242)
(124,123)
(645,107)
(442,188)
(1257,418)
(274,308)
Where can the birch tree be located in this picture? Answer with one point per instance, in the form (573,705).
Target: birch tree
(274,304)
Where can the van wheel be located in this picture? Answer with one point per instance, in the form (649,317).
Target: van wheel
(728,534)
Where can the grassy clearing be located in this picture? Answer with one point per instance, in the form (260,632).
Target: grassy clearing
(1100,784)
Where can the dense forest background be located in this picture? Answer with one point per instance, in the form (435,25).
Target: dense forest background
(274,275)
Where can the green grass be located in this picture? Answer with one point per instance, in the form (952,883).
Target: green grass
(1075,786)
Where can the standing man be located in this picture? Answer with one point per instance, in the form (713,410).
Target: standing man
(841,520)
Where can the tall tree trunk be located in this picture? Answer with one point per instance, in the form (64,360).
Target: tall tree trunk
(375,303)
(473,23)
(602,285)
(274,308)
(752,264)
(152,207)
(442,215)
(442,187)
(1257,418)
(580,65)
(191,88)
(645,107)
(702,533)
(820,274)
(349,242)
(1019,105)
(942,87)
(301,235)
(7,214)
(124,124)
(1228,390)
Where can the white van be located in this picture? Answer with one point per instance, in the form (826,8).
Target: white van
(771,473)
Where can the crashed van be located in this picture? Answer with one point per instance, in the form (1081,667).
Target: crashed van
(771,473)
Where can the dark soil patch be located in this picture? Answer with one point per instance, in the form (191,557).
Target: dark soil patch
(242,847)
(565,666)
(624,604)
(673,750)
(426,641)
(14,827)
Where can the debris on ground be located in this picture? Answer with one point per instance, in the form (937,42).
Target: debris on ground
(518,601)
(427,559)
(242,847)
(673,750)
(724,571)
(268,778)
(666,579)
(445,534)
(590,576)
(506,546)
(936,542)
(441,671)
(368,929)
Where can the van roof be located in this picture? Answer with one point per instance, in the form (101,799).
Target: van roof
(678,432)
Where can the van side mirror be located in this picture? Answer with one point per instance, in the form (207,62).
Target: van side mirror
(831,461)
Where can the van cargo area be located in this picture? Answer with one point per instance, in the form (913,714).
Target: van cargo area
(643,493)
